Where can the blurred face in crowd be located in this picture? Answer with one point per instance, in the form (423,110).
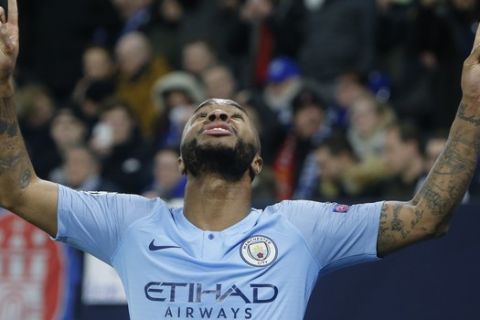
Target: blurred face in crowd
(171,10)
(364,118)
(219,82)
(120,123)
(397,154)
(67,130)
(166,171)
(433,149)
(79,166)
(97,63)
(128,7)
(347,90)
(180,108)
(177,98)
(308,120)
(35,105)
(330,166)
(133,52)
(197,57)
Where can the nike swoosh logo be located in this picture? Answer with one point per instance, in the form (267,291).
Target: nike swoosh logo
(153,247)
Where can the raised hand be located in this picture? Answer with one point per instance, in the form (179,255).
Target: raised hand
(428,213)
(8,42)
(471,74)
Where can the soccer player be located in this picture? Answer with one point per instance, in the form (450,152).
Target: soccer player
(217,257)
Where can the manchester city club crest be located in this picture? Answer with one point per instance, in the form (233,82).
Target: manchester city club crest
(258,251)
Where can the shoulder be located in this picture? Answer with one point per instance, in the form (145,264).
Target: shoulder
(294,207)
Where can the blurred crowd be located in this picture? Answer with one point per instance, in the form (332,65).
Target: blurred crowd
(353,98)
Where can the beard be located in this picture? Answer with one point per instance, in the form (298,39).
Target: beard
(230,163)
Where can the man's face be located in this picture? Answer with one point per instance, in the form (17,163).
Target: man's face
(219,138)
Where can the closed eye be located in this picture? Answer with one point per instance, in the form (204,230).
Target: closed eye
(237,116)
(201,115)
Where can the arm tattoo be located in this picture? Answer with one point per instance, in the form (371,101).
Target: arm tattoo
(16,171)
(467,116)
(402,223)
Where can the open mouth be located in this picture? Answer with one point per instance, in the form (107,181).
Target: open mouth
(217,130)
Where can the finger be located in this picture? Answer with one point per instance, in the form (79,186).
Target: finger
(476,43)
(2,15)
(12,12)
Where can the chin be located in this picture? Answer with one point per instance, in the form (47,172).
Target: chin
(217,142)
(229,159)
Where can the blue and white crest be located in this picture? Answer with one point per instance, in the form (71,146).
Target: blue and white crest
(258,251)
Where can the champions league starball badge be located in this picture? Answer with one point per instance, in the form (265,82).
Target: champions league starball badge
(258,251)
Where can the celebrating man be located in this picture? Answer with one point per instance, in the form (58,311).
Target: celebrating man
(217,257)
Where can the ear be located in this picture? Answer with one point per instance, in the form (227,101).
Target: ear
(257,164)
(181,166)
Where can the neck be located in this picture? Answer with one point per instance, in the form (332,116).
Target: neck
(211,203)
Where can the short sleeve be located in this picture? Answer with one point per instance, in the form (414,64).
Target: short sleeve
(337,235)
(94,222)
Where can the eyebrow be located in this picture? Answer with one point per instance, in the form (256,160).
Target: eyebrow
(224,102)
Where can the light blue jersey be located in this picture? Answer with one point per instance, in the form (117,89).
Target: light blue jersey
(263,267)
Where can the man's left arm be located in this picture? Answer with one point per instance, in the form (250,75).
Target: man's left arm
(428,213)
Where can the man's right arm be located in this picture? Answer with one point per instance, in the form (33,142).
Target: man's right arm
(21,191)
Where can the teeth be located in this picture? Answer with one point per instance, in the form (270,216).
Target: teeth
(219,130)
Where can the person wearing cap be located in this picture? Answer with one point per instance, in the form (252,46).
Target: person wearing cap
(283,83)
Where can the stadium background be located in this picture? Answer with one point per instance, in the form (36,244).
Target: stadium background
(352,98)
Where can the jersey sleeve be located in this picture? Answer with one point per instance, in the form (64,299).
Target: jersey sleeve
(95,222)
(337,235)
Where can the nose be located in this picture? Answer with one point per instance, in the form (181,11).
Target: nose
(217,114)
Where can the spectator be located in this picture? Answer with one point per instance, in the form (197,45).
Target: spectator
(36,109)
(134,13)
(403,156)
(88,108)
(166,30)
(272,28)
(124,155)
(338,172)
(348,88)
(308,125)
(368,122)
(197,56)
(97,65)
(67,131)
(81,171)
(138,71)
(219,82)
(283,84)
(175,96)
(339,38)
(168,181)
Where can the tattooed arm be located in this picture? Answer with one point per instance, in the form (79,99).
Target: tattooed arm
(428,213)
(20,190)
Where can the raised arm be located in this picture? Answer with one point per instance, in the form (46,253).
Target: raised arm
(428,213)
(20,189)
